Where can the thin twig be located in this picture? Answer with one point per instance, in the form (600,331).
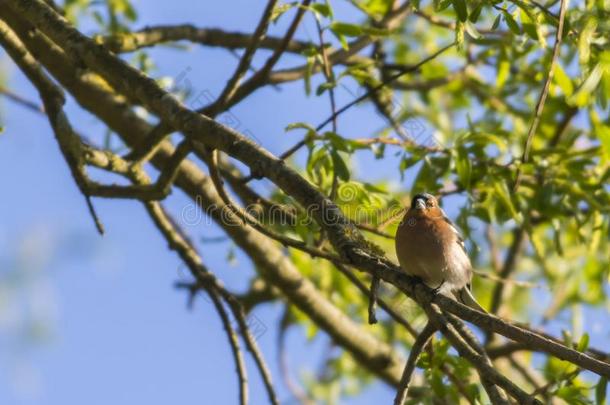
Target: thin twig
(206,280)
(53,100)
(20,100)
(259,77)
(526,372)
(543,95)
(373,300)
(246,59)
(299,394)
(382,303)
(418,346)
(518,283)
(212,37)
(251,345)
(238,356)
(146,192)
(330,80)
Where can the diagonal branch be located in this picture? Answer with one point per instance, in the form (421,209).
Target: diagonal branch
(418,346)
(486,371)
(238,357)
(246,59)
(496,395)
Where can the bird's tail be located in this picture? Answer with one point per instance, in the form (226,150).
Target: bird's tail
(465,297)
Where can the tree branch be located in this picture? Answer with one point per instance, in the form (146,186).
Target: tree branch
(543,94)
(418,346)
(53,100)
(269,260)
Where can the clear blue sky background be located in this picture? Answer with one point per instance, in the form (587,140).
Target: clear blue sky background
(93,320)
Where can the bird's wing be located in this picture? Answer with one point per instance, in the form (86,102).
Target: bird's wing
(456,232)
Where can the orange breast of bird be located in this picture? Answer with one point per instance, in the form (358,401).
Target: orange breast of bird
(421,247)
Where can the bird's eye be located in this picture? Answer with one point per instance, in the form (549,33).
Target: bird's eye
(430,203)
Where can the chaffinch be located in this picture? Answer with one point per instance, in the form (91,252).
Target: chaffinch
(431,248)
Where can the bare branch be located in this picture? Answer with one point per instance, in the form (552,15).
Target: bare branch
(151,36)
(53,100)
(496,395)
(543,94)
(418,346)
(244,63)
(234,343)
(20,100)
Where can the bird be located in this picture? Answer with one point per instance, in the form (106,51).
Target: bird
(430,248)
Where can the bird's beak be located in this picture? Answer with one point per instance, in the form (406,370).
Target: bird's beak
(420,205)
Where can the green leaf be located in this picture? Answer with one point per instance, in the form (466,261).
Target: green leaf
(572,395)
(601,390)
(338,142)
(511,23)
(461,9)
(563,80)
(299,125)
(463,167)
(349,30)
(442,5)
(325,86)
(408,160)
(584,41)
(341,39)
(322,9)
(476,11)
(503,193)
(503,72)
(582,95)
(496,22)
(603,134)
(472,30)
(280,9)
(340,167)
(529,25)
(583,343)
